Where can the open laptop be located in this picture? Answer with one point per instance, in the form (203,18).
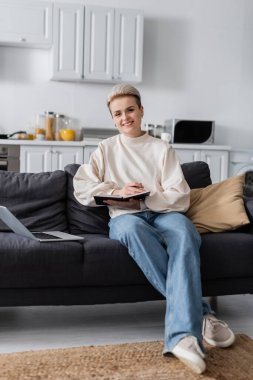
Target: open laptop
(16,226)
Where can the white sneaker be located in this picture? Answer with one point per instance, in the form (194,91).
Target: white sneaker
(216,332)
(188,351)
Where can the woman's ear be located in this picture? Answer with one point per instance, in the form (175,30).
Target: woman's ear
(142,111)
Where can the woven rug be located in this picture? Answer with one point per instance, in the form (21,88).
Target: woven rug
(130,361)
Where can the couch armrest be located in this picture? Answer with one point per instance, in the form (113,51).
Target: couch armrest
(248,197)
(248,203)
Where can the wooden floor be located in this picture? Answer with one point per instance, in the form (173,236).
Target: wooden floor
(34,328)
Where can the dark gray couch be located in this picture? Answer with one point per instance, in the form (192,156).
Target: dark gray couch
(98,270)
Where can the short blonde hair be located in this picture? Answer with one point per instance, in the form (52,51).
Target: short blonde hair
(123,89)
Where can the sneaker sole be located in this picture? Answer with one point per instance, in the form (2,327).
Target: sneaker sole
(225,344)
(197,368)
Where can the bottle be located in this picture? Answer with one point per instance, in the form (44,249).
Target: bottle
(49,125)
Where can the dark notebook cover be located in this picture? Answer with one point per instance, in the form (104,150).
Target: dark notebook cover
(99,199)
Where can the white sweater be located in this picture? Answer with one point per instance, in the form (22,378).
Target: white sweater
(121,159)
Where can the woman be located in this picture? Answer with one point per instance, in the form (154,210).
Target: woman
(159,237)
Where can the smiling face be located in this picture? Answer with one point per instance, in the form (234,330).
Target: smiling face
(127,115)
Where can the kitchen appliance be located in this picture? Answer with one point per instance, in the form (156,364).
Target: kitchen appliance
(190,131)
(9,157)
(7,136)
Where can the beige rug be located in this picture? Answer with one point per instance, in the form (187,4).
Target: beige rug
(131,361)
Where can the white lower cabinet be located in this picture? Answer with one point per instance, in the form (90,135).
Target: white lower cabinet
(39,158)
(35,159)
(88,150)
(218,160)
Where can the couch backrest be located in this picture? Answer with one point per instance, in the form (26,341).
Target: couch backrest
(197,174)
(85,219)
(38,199)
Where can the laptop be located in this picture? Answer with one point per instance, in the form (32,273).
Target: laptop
(16,226)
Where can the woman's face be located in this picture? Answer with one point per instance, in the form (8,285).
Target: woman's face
(127,115)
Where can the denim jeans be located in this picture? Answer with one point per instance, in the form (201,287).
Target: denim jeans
(166,248)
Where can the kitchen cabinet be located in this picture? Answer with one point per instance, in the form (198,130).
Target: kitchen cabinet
(26,23)
(88,151)
(218,160)
(37,158)
(68,41)
(97,43)
(128,45)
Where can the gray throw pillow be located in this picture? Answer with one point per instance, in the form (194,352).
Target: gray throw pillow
(37,199)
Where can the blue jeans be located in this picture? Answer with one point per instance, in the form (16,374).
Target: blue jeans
(166,248)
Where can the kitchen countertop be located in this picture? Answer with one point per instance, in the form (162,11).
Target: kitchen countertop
(95,141)
(46,142)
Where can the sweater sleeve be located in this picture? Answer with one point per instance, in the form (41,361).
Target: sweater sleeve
(174,192)
(89,180)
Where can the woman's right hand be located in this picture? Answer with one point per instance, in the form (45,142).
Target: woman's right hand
(130,188)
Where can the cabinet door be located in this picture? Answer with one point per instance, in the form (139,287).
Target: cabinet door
(62,156)
(68,41)
(218,164)
(188,155)
(128,49)
(98,43)
(35,159)
(88,151)
(26,23)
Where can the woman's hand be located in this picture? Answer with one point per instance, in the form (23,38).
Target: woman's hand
(130,188)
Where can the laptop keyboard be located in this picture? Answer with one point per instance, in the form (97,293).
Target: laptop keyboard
(43,235)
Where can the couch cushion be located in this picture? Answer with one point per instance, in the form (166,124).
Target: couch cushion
(26,263)
(219,207)
(226,255)
(37,199)
(107,262)
(84,219)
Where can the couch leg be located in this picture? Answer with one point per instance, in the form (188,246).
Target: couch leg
(213,301)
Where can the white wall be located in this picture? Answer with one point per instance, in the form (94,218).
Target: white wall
(198,64)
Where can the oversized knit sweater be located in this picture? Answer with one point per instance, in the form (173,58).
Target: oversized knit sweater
(120,159)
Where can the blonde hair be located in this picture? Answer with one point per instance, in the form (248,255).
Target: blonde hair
(123,89)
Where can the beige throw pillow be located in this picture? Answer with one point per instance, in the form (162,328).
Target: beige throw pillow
(218,207)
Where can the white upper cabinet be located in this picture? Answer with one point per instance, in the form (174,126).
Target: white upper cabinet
(68,41)
(109,40)
(128,45)
(26,23)
(98,43)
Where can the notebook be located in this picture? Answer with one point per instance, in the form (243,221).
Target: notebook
(99,199)
(16,226)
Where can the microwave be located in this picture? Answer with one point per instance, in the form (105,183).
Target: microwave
(190,131)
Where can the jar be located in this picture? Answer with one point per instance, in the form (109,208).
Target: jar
(40,126)
(49,125)
(60,122)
